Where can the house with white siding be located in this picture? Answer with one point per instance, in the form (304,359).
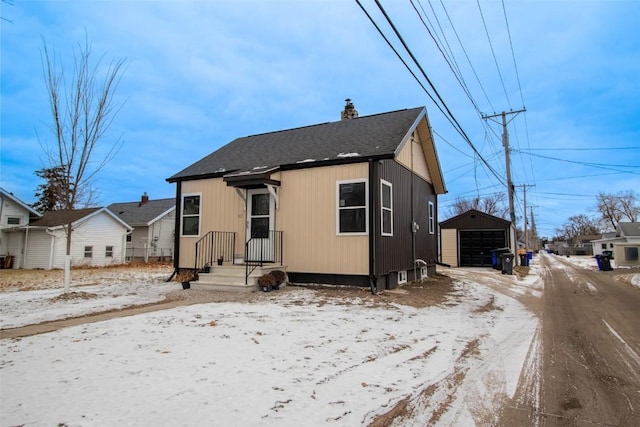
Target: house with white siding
(153,223)
(15,215)
(98,239)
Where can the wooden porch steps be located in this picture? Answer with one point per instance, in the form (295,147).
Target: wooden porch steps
(231,277)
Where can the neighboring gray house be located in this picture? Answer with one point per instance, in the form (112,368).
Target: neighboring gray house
(625,244)
(15,216)
(153,223)
(98,239)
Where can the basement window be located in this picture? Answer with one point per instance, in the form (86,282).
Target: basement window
(88,251)
(108,252)
(402,277)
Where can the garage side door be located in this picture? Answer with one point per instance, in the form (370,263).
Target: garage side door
(476,246)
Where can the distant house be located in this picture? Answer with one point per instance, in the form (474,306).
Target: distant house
(15,216)
(624,243)
(347,202)
(153,223)
(468,239)
(98,239)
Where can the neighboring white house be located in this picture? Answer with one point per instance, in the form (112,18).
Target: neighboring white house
(625,244)
(15,215)
(153,223)
(98,239)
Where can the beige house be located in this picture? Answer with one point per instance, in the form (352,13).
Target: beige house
(346,202)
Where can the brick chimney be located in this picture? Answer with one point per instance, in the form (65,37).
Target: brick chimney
(144,199)
(349,111)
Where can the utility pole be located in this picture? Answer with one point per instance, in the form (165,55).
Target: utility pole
(526,230)
(507,158)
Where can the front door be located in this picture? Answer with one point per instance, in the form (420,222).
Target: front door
(260,225)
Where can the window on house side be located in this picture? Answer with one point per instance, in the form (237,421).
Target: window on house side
(603,246)
(108,252)
(352,207)
(129,238)
(88,251)
(191,215)
(432,224)
(386,207)
(12,220)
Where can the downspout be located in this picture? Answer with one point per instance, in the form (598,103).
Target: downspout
(53,247)
(176,232)
(372,248)
(414,225)
(25,250)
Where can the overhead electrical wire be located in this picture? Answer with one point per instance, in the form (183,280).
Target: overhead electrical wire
(441,105)
(493,53)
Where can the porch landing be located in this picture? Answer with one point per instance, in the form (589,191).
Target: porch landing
(231,277)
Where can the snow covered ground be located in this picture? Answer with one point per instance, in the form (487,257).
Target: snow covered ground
(289,360)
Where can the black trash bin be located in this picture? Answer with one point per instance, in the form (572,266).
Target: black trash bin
(496,254)
(606,263)
(507,263)
(524,260)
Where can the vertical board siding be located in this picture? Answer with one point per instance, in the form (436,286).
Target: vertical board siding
(449,246)
(395,253)
(307,216)
(221,209)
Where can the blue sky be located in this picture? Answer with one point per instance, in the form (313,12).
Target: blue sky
(201,73)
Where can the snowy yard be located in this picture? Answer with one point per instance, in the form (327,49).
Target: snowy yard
(293,359)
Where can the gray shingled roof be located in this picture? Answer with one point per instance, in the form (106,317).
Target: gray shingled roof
(56,218)
(363,137)
(135,214)
(628,229)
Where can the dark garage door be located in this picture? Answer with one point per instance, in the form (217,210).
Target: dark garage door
(476,245)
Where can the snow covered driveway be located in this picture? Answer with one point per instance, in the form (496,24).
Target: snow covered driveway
(288,361)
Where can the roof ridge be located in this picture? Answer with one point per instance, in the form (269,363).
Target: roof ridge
(328,123)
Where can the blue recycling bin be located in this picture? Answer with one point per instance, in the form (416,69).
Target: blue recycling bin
(496,255)
(529,255)
(599,261)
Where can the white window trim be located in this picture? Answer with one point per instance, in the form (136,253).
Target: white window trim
(382,208)
(182,197)
(432,214)
(108,253)
(402,277)
(366,206)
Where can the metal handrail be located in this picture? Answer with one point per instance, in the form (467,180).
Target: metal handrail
(213,246)
(256,254)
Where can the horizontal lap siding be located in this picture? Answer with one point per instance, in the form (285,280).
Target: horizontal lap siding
(38,250)
(99,232)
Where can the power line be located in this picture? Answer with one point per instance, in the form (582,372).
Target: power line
(486,30)
(442,106)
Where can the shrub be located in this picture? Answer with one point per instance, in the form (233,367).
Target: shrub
(280,276)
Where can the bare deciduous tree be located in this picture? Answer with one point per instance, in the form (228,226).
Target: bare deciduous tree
(614,208)
(492,205)
(83,109)
(578,225)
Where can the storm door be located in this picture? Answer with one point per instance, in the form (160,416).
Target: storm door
(260,225)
